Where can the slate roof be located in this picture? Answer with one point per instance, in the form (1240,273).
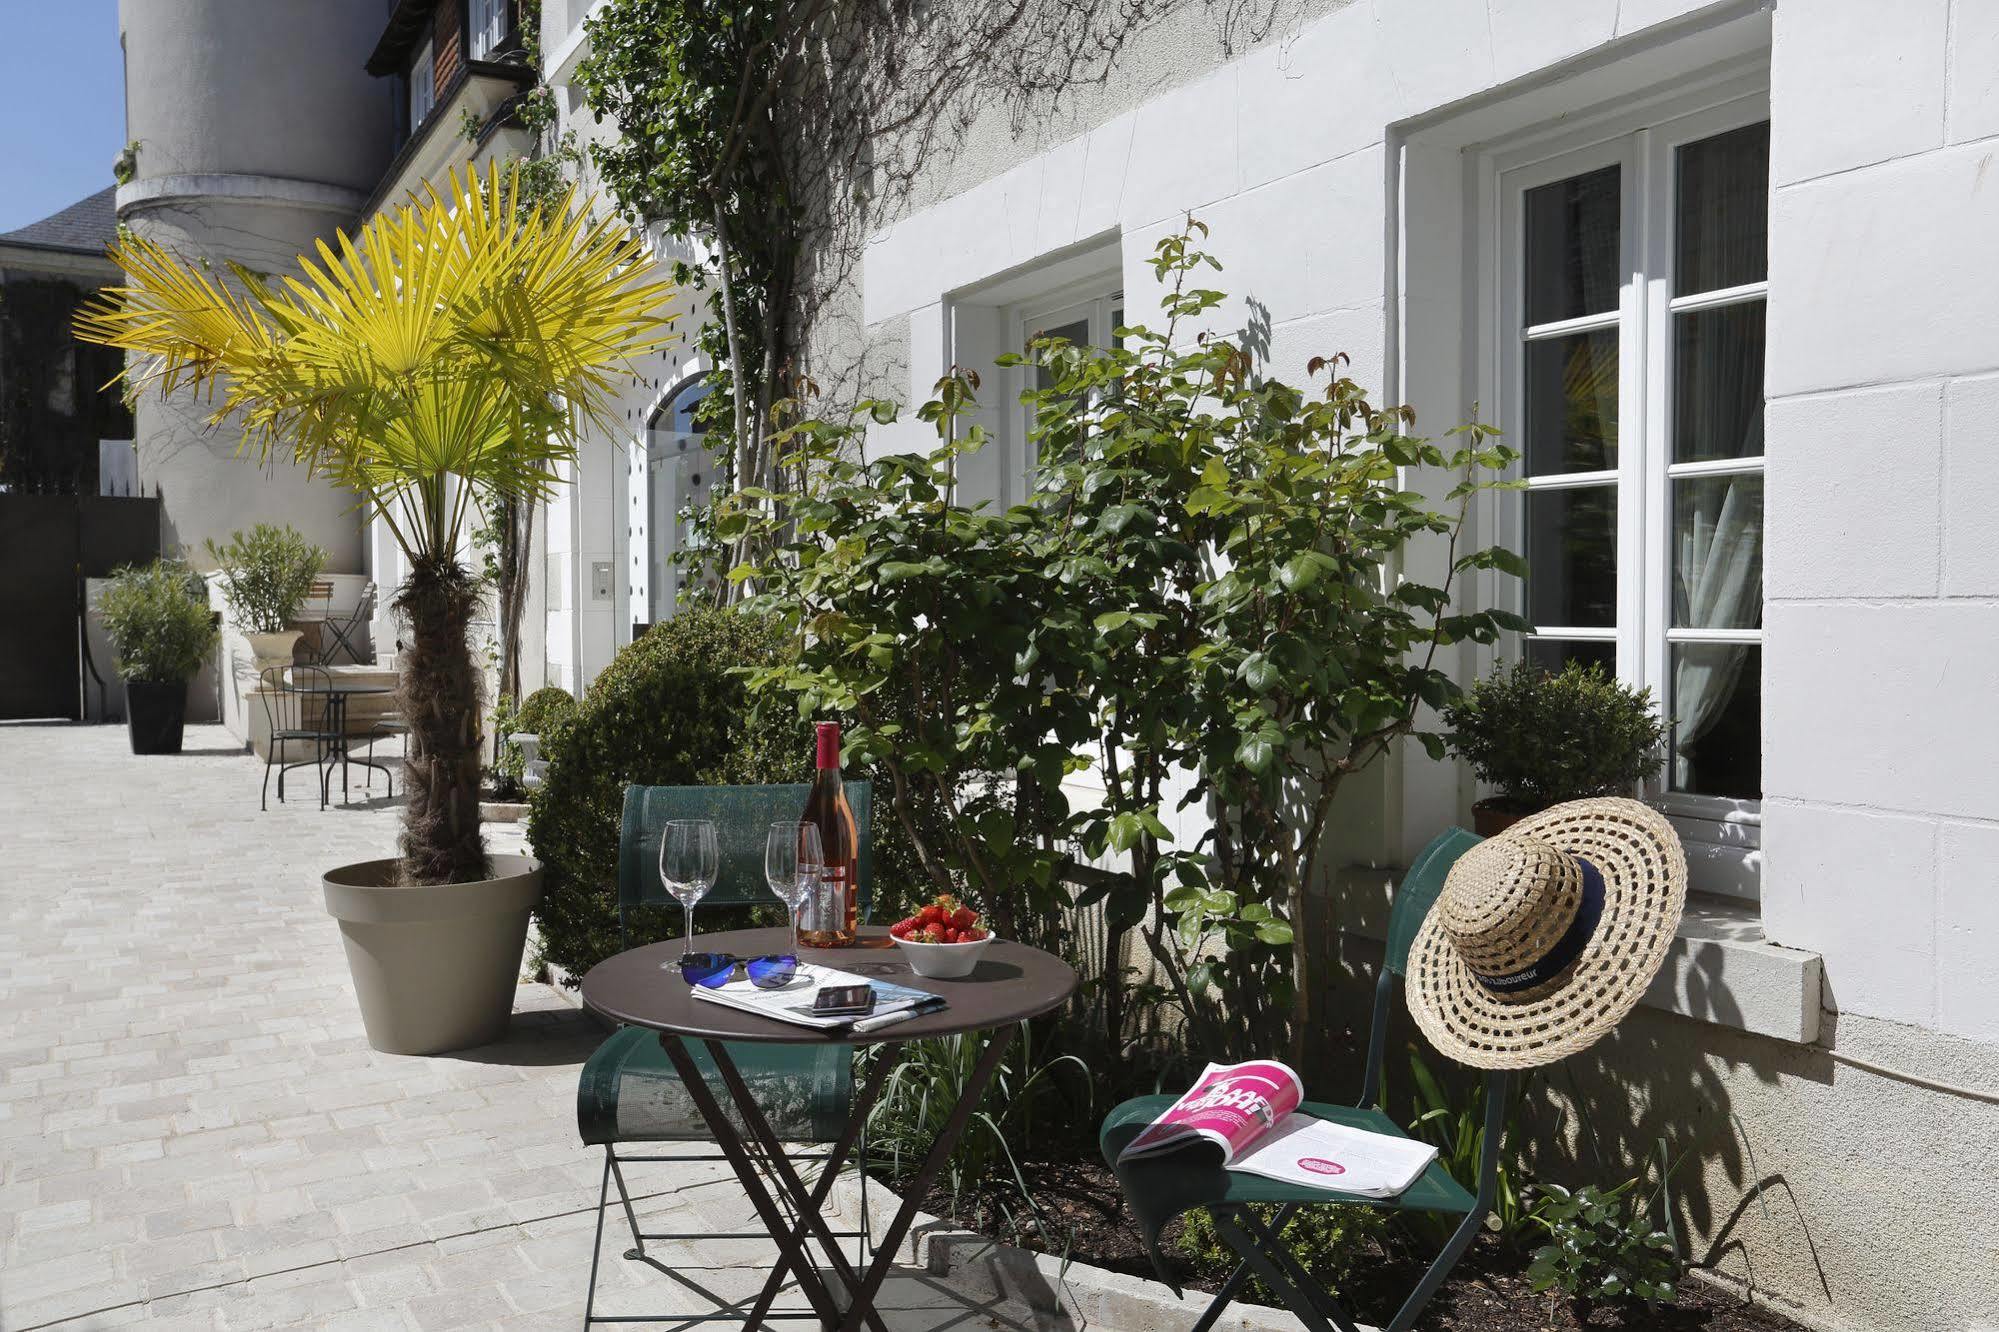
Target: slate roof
(85,227)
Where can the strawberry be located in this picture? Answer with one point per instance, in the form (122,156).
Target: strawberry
(975,934)
(902,929)
(964,918)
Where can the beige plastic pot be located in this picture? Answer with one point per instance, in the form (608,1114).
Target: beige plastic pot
(434,967)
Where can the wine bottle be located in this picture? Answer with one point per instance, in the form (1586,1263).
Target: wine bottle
(832,914)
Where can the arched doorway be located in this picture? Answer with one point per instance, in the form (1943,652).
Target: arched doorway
(679,476)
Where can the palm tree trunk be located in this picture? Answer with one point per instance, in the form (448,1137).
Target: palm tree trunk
(438,692)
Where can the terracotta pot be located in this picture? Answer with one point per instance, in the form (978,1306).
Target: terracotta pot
(274,649)
(1496,815)
(434,966)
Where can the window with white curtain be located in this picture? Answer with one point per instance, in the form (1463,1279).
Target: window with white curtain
(423,86)
(1633,283)
(488,24)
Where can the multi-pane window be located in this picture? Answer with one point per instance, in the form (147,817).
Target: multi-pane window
(1087,317)
(1632,384)
(423,87)
(488,22)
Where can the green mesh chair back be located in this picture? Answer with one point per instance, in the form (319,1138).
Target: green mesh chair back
(1419,890)
(742,816)
(629,1091)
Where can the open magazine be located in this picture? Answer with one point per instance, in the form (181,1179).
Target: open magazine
(1250,1112)
(793,1002)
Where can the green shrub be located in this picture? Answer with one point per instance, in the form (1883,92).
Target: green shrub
(157,618)
(544,712)
(1603,1247)
(668,711)
(266,575)
(1543,738)
(1331,1241)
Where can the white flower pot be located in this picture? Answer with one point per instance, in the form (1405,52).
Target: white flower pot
(273,649)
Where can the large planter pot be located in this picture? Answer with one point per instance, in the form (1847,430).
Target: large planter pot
(155,715)
(435,966)
(274,649)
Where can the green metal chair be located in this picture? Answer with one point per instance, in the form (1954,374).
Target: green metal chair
(629,1091)
(1163,1186)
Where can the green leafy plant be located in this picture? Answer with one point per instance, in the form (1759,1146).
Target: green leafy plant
(1198,584)
(1333,1241)
(1541,738)
(1029,1095)
(669,710)
(1455,1125)
(1603,1247)
(157,618)
(266,575)
(543,713)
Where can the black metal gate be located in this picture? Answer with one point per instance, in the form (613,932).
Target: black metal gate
(48,545)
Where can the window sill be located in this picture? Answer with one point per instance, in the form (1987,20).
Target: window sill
(1721,969)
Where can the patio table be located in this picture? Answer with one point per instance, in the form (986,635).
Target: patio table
(335,697)
(643,987)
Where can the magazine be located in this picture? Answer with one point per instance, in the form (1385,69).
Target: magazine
(1250,1112)
(793,1002)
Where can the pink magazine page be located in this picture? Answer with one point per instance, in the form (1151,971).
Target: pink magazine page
(1231,1105)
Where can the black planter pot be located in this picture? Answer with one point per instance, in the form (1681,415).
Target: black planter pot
(154,714)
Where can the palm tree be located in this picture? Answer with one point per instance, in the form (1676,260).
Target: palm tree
(445,359)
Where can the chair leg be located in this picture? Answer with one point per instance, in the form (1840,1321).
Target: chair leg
(597,1248)
(1433,1278)
(1272,1270)
(264,800)
(638,1249)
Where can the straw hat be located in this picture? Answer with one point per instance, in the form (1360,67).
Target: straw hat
(1545,936)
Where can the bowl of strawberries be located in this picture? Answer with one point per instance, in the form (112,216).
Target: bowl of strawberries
(943,940)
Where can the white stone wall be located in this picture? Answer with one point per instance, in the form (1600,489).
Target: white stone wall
(1882,587)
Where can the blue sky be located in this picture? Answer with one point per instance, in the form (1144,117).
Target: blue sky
(65,90)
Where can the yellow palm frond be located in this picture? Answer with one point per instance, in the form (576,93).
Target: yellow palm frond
(454,347)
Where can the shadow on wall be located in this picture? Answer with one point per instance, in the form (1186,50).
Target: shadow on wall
(1660,1082)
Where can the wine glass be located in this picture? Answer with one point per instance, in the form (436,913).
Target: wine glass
(688,864)
(793,863)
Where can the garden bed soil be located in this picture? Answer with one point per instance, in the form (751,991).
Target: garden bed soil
(1083,1213)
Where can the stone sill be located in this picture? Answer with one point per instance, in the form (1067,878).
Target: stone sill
(1721,969)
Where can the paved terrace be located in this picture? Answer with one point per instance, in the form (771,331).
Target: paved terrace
(193,1130)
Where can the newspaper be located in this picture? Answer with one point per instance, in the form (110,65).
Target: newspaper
(793,1002)
(1250,1112)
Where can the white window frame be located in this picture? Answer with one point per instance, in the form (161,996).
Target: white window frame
(1723,837)
(1091,301)
(423,85)
(486,21)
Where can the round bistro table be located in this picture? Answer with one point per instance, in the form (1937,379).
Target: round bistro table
(642,987)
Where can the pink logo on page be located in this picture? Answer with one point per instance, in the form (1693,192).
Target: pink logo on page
(1319,1165)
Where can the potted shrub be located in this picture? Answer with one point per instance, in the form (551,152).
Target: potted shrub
(157,618)
(266,576)
(1539,738)
(445,360)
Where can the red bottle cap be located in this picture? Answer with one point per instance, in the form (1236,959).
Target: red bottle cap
(828,737)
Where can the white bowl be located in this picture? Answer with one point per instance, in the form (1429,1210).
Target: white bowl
(943,961)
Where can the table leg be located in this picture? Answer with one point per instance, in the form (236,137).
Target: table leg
(790,1251)
(933,1164)
(810,1205)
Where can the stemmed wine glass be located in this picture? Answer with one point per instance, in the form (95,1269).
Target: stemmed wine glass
(688,863)
(793,862)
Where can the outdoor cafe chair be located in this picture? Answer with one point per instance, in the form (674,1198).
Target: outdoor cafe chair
(629,1092)
(296,714)
(342,632)
(1162,1186)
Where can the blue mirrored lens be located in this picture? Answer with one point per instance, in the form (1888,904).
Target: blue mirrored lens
(709,969)
(774,972)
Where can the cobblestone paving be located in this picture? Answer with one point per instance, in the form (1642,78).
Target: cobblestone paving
(194,1131)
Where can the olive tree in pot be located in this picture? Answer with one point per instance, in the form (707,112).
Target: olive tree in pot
(1539,738)
(157,618)
(445,359)
(266,576)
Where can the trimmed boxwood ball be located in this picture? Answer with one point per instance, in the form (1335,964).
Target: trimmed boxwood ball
(668,711)
(544,710)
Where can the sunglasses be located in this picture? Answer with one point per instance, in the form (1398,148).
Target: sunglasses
(772,971)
